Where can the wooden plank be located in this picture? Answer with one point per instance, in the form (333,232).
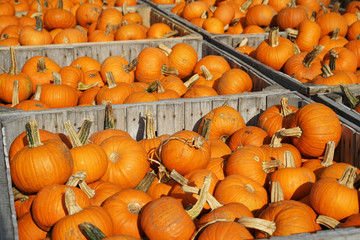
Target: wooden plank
(194,111)
(170,118)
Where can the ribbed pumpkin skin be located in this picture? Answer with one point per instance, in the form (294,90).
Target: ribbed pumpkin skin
(278,153)
(347,59)
(184,58)
(115,95)
(103,190)
(100,136)
(58,96)
(22,207)
(294,65)
(28,230)
(48,206)
(323,200)
(234,81)
(319,125)
(352,221)
(58,18)
(117,206)
(249,135)
(215,64)
(230,212)
(177,155)
(330,21)
(67,228)
(261,15)
(131,166)
(290,17)
(354,46)
(165,219)
(6,86)
(216,166)
(309,35)
(291,217)
(225,230)
(34,168)
(115,65)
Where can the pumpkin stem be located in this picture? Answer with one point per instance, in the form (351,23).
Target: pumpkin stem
(41,65)
(335,34)
(245,6)
(3,37)
(39,24)
(265,226)
(329,154)
(313,16)
(177,177)
(124,8)
(82,86)
(274,37)
(152,87)
(60,4)
(18,195)
(38,6)
(37,93)
(323,7)
(15,93)
(310,57)
(354,101)
(57,78)
(84,131)
(167,70)
(289,160)
(160,88)
(91,231)
(32,134)
(333,56)
(285,109)
(131,66)
(114,157)
(74,139)
(291,132)
(204,15)
(336,6)
(108,29)
(292,4)
(110,80)
(86,189)
(205,131)
(326,71)
(269,166)
(13,66)
(293,33)
(207,74)
(109,122)
(358,37)
(70,202)
(276,194)
(145,183)
(328,222)
(76,178)
(296,48)
(211,200)
(265,2)
(170,34)
(191,80)
(199,205)
(150,125)
(243,42)
(348,177)
(167,50)
(134,207)
(358,16)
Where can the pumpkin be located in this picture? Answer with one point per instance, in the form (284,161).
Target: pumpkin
(122,70)
(35,36)
(124,208)
(335,170)
(7,80)
(20,5)
(353,7)
(252,162)
(158,30)
(329,77)
(27,229)
(276,117)
(88,96)
(351,221)
(86,63)
(216,166)
(30,180)
(332,41)
(275,51)
(278,4)
(253,29)
(103,190)
(225,13)
(345,204)
(249,135)
(87,14)
(345,59)
(68,227)
(6,20)
(200,91)
(124,153)
(22,202)
(50,200)
(234,81)
(70,35)
(194,10)
(330,21)
(322,127)
(109,18)
(5,40)
(238,188)
(174,83)
(159,189)
(32,104)
(225,230)
(290,16)
(354,46)
(213,25)
(225,120)
(130,32)
(71,76)
(304,65)
(242,47)
(91,78)
(58,18)
(219,149)
(264,19)
(215,64)
(133,17)
(7,9)
(139,97)
(101,35)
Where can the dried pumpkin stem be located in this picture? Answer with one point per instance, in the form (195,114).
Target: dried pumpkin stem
(170,34)
(207,74)
(191,80)
(269,166)
(265,2)
(15,93)
(38,6)
(326,71)
(289,160)
(296,49)
(335,34)
(348,177)
(84,132)
(358,37)
(243,42)
(265,226)
(91,231)
(177,177)
(336,7)
(131,66)
(285,109)
(206,128)
(245,6)
(211,200)
(150,125)
(152,87)
(167,50)
(199,205)
(125,8)
(82,86)
(60,4)
(75,141)
(109,122)
(292,32)
(160,88)
(328,222)
(13,66)
(76,178)
(41,65)
(274,37)
(114,157)
(354,101)
(39,24)
(145,183)
(32,134)
(3,37)
(276,194)
(291,132)
(37,93)
(110,80)
(292,4)
(86,189)
(329,154)
(313,16)
(323,7)
(57,78)
(167,70)
(310,57)
(204,15)
(70,202)
(358,16)
(19,196)
(333,56)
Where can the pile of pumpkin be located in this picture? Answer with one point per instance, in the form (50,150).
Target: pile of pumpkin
(318,34)
(73,21)
(225,176)
(172,73)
